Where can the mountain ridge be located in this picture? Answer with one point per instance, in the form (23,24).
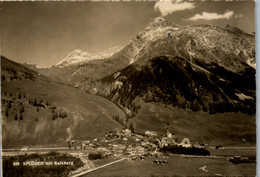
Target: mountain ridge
(204,50)
(78,56)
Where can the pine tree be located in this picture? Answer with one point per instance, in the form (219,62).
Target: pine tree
(19,96)
(35,102)
(21,117)
(55,115)
(132,127)
(22,109)
(204,108)
(7,111)
(36,119)
(62,114)
(9,104)
(30,101)
(15,117)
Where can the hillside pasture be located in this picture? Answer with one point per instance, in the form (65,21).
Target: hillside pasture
(232,129)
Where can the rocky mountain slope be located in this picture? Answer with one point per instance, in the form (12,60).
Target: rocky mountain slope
(200,67)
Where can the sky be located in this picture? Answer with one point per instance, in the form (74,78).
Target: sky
(43,33)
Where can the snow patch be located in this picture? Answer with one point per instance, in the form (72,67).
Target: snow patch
(242,96)
(251,63)
(78,56)
(118,84)
(116,75)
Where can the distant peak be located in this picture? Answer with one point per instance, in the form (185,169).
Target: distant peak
(78,55)
(161,22)
(76,52)
(158,19)
(236,30)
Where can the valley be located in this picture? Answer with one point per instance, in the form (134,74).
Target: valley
(185,104)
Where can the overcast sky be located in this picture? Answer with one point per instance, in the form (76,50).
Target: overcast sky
(43,33)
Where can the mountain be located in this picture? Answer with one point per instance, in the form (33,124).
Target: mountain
(201,67)
(174,81)
(208,44)
(41,111)
(80,56)
(185,76)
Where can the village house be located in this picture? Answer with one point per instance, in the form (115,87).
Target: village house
(121,146)
(150,133)
(185,143)
(169,134)
(102,149)
(167,142)
(139,149)
(115,146)
(86,142)
(139,136)
(83,146)
(170,139)
(25,148)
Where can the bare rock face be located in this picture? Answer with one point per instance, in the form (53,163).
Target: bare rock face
(201,65)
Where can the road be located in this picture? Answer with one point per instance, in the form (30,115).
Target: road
(91,170)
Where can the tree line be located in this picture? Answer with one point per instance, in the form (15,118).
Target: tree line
(36,102)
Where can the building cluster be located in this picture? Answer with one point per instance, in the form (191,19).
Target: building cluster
(126,143)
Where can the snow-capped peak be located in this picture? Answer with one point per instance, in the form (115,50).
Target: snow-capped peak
(161,22)
(78,55)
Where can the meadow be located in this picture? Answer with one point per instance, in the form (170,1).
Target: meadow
(177,166)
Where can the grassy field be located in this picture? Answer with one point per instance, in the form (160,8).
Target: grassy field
(214,129)
(100,162)
(177,166)
(233,152)
(89,116)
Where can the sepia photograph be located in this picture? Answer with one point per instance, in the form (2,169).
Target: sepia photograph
(128,88)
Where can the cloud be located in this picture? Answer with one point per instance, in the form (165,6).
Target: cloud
(167,7)
(212,16)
